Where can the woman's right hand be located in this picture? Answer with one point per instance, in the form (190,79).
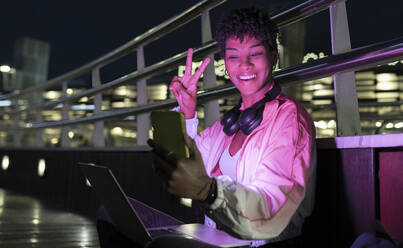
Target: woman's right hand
(185,88)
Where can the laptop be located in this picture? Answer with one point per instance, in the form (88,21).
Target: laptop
(127,220)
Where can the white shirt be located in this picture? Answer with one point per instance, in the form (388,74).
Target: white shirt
(228,163)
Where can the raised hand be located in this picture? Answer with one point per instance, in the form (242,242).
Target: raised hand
(185,88)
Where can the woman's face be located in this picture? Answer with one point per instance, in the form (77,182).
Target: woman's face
(248,66)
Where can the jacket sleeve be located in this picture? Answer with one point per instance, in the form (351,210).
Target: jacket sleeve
(262,207)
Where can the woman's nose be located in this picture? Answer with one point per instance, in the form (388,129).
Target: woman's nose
(245,63)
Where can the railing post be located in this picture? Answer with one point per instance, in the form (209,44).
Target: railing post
(348,116)
(211,108)
(16,118)
(143,120)
(39,119)
(65,141)
(98,133)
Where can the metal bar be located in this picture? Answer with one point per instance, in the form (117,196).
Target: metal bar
(39,119)
(356,59)
(98,132)
(141,40)
(65,141)
(16,120)
(345,93)
(163,66)
(367,118)
(301,11)
(360,104)
(142,120)
(211,108)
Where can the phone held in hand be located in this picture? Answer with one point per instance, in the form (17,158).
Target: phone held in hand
(168,131)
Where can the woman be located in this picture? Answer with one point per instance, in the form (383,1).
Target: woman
(254,169)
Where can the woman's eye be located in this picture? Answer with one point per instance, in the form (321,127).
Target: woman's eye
(256,54)
(232,57)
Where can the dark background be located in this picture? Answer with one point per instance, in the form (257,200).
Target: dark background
(81,31)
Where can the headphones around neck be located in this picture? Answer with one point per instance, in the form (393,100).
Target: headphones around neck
(250,118)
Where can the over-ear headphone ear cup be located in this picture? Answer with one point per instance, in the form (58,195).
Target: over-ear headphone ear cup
(230,121)
(248,127)
(230,116)
(231,129)
(247,116)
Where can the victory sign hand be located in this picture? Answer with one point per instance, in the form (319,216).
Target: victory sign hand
(185,88)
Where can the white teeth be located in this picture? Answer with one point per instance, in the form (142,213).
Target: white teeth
(247,77)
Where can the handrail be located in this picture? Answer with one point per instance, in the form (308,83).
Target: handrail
(282,18)
(162,66)
(150,35)
(301,11)
(356,59)
(362,104)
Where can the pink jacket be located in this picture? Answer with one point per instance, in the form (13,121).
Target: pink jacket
(274,173)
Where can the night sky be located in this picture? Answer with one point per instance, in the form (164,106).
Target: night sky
(80,31)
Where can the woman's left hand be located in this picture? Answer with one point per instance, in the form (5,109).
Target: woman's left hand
(189,179)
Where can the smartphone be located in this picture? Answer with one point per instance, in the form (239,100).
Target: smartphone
(168,131)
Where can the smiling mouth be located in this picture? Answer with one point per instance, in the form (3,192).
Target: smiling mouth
(247,77)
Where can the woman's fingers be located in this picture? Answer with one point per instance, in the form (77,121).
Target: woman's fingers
(188,68)
(180,91)
(177,88)
(175,80)
(201,69)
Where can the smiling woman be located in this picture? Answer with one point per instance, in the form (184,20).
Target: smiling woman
(253,170)
(248,66)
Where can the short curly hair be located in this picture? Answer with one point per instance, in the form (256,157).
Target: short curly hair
(253,22)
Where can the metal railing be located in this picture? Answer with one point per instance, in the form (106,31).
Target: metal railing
(357,59)
(349,61)
(129,47)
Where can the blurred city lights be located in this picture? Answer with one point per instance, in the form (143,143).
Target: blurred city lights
(41,167)
(386,77)
(5,162)
(117,131)
(399,125)
(331,124)
(5,68)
